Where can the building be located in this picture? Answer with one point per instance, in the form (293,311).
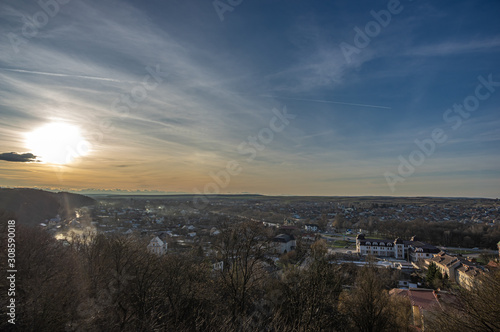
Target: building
(424,303)
(457,268)
(157,246)
(217,265)
(466,274)
(420,250)
(283,243)
(384,248)
(311,227)
(400,249)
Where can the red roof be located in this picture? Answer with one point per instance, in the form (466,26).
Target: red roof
(423,298)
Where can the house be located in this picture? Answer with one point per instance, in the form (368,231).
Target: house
(311,227)
(217,265)
(424,303)
(445,263)
(157,246)
(270,224)
(466,274)
(283,243)
(309,237)
(420,250)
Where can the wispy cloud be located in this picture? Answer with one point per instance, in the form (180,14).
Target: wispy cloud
(65,75)
(455,47)
(330,102)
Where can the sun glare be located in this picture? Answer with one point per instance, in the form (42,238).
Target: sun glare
(57,143)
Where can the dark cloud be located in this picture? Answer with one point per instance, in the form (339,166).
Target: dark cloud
(17,157)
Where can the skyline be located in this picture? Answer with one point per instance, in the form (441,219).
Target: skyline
(322,99)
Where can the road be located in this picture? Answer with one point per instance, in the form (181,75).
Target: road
(476,251)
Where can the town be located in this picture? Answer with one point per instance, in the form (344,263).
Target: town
(351,228)
(421,255)
(468,223)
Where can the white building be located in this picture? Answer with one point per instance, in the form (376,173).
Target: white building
(284,243)
(157,246)
(311,227)
(398,248)
(218,266)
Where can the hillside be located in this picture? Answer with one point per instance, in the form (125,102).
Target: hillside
(32,206)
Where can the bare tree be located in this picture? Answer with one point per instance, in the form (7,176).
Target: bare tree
(48,282)
(367,305)
(307,299)
(477,309)
(241,248)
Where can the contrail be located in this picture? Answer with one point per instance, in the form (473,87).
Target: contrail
(65,75)
(331,102)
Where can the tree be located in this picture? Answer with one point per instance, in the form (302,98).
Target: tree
(367,306)
(434,277)
(323,222)
(319,250)
(338,221)
(48,284)
(185,293)
(477,309)
(307,299)
(241,248)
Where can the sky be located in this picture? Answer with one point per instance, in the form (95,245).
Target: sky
(344,98)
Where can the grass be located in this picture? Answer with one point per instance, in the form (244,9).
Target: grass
(340,244)
(463,252)
(377,237)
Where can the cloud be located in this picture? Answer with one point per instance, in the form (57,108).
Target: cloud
(455,47)
(17,157)
(330,102)
(66,75)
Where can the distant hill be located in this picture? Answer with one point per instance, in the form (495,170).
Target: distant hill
(32,206)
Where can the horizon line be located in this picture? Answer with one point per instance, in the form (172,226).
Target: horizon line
(159,193)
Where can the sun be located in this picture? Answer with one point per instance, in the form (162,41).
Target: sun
(57,143)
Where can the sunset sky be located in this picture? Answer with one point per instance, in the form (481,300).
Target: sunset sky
(294,97)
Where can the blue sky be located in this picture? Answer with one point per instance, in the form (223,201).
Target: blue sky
(219,80)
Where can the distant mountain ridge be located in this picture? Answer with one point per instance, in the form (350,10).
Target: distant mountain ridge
(33,206)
